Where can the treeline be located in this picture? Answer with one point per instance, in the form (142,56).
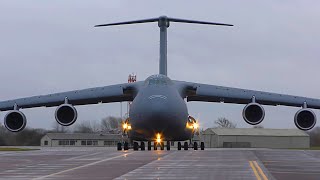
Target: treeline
(32,137)
(314,137)
(27,137)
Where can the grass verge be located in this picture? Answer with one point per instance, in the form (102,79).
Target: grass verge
(315,148)
(16,149)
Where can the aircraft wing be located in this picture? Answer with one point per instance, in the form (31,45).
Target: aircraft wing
(213,93)
(106,94)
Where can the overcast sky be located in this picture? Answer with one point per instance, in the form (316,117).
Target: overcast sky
(51,46)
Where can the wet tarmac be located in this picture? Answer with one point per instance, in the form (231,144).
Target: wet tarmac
(107,163)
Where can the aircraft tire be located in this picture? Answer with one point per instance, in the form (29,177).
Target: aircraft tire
(119,146)
(168,145)
(126,146)
(195,146)
(149,145)
(162,146)
(135,146)
(202,146)
(143,147)
(185,146)
(179,146)
(155,146)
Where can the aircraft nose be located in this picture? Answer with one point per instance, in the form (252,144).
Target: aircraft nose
(158,105)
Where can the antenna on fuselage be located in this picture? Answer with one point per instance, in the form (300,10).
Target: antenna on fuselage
(163,23)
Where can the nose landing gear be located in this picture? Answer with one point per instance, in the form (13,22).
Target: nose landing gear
(162,146)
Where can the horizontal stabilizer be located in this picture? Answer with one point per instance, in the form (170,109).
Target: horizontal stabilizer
(197,22)
(164,19)
(130,22)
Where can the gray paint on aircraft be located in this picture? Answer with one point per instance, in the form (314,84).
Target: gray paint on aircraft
(166,110)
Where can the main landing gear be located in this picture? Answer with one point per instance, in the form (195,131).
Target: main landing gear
(161,145)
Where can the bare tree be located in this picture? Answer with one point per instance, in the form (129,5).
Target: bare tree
(110,123)
(83,127)
(314,136)
(224,123)
(2,135)
(57,128)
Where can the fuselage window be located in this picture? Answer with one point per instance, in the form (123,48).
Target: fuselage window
(158,80)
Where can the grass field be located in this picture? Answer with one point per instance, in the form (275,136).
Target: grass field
(315,148)
(16,149)
(311,148)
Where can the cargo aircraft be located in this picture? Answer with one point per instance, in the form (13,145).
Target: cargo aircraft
(158,111)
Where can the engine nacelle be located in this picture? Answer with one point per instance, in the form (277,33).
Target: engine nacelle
(253,113)
(66,114)
(15,121)
(305,119)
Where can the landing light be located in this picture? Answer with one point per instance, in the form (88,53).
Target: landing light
(126,126)
(158,138)
(193,125)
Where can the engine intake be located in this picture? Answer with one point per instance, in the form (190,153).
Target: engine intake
(15,121)
(253,113)
(305,119)
(66,114)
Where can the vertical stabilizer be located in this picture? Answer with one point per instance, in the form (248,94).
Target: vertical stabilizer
(163,23)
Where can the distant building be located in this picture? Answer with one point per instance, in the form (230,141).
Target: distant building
(79,139)
(255,138)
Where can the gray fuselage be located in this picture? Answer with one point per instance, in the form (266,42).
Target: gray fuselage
(159,108)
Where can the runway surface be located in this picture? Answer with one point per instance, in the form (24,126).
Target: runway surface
(107,163)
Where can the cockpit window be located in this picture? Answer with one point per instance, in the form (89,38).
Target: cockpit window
(158,80)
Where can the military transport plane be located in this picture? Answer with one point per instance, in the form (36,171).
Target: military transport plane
(159,112)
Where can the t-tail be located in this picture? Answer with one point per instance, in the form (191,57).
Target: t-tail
(163,23)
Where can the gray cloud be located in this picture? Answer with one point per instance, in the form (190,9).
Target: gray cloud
(50,47)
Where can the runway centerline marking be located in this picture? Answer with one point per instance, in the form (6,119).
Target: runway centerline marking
(254,170)
(79,167)
(82,156)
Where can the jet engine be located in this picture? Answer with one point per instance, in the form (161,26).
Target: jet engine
(305,119)
(15,121)
(66,114)
(253,113)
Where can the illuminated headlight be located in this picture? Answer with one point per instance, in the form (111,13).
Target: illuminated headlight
(126,126)
(195,125)
(158,138)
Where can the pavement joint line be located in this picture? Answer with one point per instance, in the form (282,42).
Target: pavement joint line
(254,170)
(260,170)
(85,155)
(146,166)
(82,166)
